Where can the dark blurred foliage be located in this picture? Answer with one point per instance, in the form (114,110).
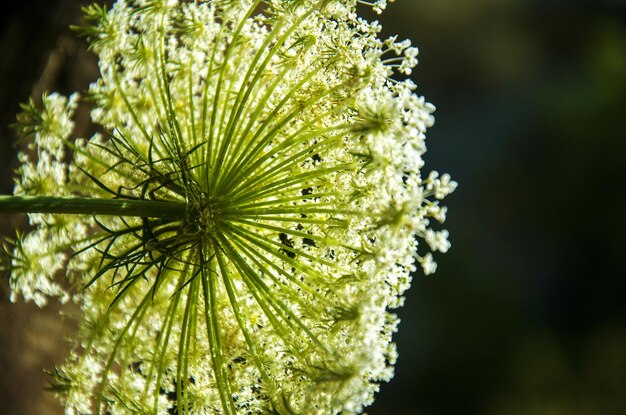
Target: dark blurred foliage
(526,314)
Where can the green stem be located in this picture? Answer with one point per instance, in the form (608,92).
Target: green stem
(92,206)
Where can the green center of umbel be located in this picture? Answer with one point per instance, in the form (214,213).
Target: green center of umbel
(204,216)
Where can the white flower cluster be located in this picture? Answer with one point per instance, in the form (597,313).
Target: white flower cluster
(280,126)
(41,254)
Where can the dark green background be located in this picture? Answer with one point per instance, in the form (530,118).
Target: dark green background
(527,312)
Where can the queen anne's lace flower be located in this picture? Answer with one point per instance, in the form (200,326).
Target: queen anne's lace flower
(279,126)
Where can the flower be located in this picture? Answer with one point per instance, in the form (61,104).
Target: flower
(280,129)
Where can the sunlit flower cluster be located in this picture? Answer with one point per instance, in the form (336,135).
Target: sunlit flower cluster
(287,132)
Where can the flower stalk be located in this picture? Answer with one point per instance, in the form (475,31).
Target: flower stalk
(92,206)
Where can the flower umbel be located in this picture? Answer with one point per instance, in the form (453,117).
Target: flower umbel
(261,166)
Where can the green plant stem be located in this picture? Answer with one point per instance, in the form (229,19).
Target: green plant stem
(92,206)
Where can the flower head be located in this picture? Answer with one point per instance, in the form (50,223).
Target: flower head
(280,127)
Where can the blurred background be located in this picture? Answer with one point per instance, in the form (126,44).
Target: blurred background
(527,312)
